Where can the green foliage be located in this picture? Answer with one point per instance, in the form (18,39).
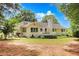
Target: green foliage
(69,31)
(8,27)
(26,15)
(11,9)
(72,12)
(14,20)
(51,17)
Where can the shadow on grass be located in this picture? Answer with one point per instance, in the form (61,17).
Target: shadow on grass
(9,39)
(77,39)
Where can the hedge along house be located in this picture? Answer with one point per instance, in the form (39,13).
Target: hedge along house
(36,29)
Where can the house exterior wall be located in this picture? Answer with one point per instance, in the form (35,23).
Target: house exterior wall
(28,32)
(58,31)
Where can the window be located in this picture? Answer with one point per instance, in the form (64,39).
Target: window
(23,29)
(45,29)
(34,29)
(62,30)
(53,29)
(41,29)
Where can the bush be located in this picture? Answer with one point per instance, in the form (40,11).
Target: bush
(39,36)
(32,36)
(76,34)
(50,36)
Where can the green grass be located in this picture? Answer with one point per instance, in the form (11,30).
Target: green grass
(44,41)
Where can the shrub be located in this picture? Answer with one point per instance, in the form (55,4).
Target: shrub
(50,36)
(76,34)
(32,36)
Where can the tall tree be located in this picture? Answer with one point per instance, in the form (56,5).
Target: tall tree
(7,9)
(26,15)
(72,12)
(49,17)
(8,27)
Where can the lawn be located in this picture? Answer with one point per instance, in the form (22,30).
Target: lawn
(58,41)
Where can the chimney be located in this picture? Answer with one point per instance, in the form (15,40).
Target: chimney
(49,25)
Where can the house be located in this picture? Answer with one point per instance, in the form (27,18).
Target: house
(37,29)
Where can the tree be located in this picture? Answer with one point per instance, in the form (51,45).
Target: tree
(8,27)
(69,31)
(26,15)
(7,9)
(49,17)
(72,12)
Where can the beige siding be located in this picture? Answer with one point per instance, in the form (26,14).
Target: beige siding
(28,32)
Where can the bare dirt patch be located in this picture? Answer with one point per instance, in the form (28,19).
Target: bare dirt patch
(72,47)
(26,49)
(44,50)
(7,49)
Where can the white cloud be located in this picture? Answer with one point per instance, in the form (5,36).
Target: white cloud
(39,16)
(49,13)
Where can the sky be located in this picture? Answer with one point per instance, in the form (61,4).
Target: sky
(42,9)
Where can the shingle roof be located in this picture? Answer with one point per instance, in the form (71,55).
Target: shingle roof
(44,25)
(24,24)
(41,24)
(53,25)
(56,26)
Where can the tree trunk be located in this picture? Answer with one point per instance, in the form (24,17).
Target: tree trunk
(5,37)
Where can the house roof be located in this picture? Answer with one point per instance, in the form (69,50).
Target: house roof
(24,24)
(41,24)
(56,26)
